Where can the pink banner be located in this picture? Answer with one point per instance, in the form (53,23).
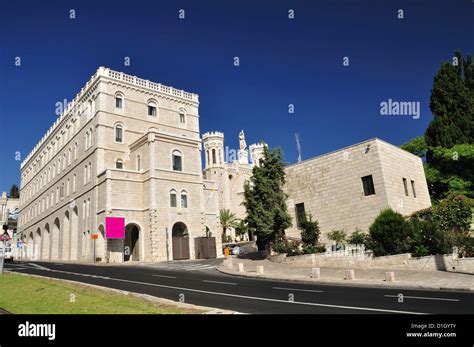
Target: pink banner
(115,227)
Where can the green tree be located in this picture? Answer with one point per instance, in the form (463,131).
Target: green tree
(265,200)
(452,105)
(448,144)
(241,228)
(227,220)
(390,234)
(14,192)
(310,230)
(417,146)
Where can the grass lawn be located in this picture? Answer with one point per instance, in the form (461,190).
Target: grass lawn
(33,295)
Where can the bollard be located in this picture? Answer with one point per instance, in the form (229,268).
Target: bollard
(241,267)
(228,263)
(350,275)
(316,273)
(390,276)
(259,270)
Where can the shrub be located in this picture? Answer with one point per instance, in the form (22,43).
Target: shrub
(311,249)
(444,226)
(280,247)
(390,234)
(358,238)
(338,236)
(310,230)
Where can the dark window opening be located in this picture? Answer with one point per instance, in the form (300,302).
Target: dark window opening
(152,111)
(413,188)
(173,200)
(405,186)
(368,184)
(177,163)
(300,214)
(118,102)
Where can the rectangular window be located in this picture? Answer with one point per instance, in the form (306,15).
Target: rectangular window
(177,164)
(405,186)
(184,201)
(173,200)
(413,188)
(118,102)
(300,214)
(118,134)
(152,111)
(181,118)
(368,184)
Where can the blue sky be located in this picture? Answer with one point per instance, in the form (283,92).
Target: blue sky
(282,62)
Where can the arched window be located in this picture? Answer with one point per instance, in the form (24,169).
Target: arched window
(74,183)
(85,174)
(69,156)
(152,108)
(75,151)
(213,156)
(182,116)
(91,139)
(184,199)
(89,172)
(118,133)
(119,164)
(173,199)
(177,161)
(118,100)
(139,167)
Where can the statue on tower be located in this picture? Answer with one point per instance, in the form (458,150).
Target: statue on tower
(243,144)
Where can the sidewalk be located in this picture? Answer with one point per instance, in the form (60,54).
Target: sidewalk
(364,278)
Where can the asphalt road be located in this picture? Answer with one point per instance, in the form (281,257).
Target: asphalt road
(201,284)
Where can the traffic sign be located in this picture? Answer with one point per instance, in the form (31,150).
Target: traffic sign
(5,237)
(94,236)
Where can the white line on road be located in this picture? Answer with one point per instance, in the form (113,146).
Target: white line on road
(164,276)
(218,282)
(300,290)
(245,296)
(421,297)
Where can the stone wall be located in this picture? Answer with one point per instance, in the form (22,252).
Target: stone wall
(445,262)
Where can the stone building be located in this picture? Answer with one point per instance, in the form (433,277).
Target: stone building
(346,189)
(124,147)
(230,173)
(9,211)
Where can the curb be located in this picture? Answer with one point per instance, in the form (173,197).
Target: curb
(157,300)
(338,282)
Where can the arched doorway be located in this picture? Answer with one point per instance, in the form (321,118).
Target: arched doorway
(132,242)
(74,234)
(55,245)
(180,238)
(100,244)
(66,237)
(38,244)
(31,246)
(46,243)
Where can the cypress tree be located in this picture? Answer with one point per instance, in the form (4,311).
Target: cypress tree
(265,200)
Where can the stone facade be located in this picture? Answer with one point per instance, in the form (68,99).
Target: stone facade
(229,174)
(332,190)
(123,147)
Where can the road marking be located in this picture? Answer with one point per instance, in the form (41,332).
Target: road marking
(39,267)
(247,297)
(301,290)
(164,276)
(421,297)
(218,282)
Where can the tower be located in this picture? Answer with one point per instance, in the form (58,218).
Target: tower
(256,152)
(214,149)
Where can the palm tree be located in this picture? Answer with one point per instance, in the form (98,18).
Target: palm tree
(227,220)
